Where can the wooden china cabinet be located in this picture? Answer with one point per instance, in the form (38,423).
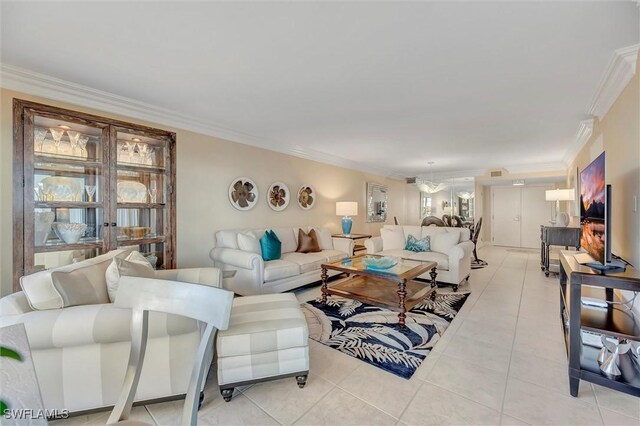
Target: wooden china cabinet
(73,169)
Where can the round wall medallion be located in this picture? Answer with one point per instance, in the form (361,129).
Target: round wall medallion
(306,197)
(243,193)
(278,196)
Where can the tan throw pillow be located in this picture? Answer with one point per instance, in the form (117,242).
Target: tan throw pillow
(135,264)
(83,286)
(392,239)
(248,242)
(442,243)
(307,243)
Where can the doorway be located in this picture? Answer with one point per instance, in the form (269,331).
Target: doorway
(517,213)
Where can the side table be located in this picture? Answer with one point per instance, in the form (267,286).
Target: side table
(556,236)
(354,237)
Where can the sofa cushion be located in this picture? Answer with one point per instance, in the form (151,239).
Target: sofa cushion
(430,231)
(441,258)
(399,253)
(287,237)
(39,289)
(83,286)
(307,242)
(91,324)
(307,261)
(279,269)
(392,239)
(270,246)
(265,323)
(416,231)
(112,274)
(325,240)
(331,255)
(444,242)
(249,242)
(227,238)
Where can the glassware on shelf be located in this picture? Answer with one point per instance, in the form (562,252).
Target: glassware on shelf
(91,190)
(57,135)
(39,135)
(82,141)
(149,157)
(153,195)
(73,140)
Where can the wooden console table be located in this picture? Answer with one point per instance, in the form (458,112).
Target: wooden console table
(614,321)
(556,236)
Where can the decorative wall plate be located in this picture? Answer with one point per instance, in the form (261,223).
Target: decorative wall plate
(306,197)
(59,188)
(131,192)
(243,193)
(278,196)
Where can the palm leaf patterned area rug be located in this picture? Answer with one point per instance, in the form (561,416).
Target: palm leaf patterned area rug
(372,334)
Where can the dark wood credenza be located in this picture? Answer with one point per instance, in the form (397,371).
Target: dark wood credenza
(577,281)
(556,236)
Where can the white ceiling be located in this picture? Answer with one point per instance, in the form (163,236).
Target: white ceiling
(391,85)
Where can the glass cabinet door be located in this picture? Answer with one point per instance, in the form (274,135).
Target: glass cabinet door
(141,187)
(63,191)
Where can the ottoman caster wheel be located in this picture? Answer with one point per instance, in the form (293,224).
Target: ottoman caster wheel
(226,394)
(302,380)
(200,400)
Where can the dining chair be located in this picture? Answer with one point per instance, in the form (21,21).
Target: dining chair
(209,305)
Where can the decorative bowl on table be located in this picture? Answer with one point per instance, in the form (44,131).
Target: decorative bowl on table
(135,232)
(70,233)
(43,221)
(379,263)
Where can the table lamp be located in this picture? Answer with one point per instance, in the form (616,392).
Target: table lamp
(346,209)
(557,195)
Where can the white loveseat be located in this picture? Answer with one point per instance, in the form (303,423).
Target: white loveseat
(454,261)
(237,253)
(80,353)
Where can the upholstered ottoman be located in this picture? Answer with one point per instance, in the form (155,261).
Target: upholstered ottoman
(267,339)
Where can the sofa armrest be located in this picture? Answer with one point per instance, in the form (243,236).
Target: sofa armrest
(208,276)
(15,303)
(343,244)
(236,258)
(373,245)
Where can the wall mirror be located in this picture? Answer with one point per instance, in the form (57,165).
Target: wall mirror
(376,202)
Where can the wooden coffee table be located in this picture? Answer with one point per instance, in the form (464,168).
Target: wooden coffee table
(393,288)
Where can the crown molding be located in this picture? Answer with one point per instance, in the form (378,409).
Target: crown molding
(620,71)
(37,84)
(585,130)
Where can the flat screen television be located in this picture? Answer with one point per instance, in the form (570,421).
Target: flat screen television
(595,219)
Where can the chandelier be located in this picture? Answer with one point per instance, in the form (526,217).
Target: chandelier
(429,186)
(465,195)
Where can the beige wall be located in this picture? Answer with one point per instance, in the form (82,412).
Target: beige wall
(618,133)
(205,168)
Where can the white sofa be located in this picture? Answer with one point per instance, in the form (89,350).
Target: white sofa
(246,273)
(454,265)
(80,353)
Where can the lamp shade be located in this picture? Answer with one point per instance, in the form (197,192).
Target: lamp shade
(346,208)
(560,195)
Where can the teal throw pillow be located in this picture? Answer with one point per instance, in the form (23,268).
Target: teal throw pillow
(270,246)
(418,245)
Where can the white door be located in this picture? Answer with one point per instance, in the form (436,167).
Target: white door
(536,211)
(505,213)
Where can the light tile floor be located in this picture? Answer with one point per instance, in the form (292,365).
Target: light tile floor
(502,361)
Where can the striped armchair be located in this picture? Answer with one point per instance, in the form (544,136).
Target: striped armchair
(80,353)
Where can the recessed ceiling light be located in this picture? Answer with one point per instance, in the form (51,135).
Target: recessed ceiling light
(518,182)
(64,126)
(136,139)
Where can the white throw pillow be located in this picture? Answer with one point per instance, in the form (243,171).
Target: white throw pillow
(442,243)
(40,291)
(325,240)
(112,275)
(248,242)
(392,239)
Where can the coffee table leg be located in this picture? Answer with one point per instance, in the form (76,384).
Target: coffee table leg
(324,277)
(402,294)
(434,284)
